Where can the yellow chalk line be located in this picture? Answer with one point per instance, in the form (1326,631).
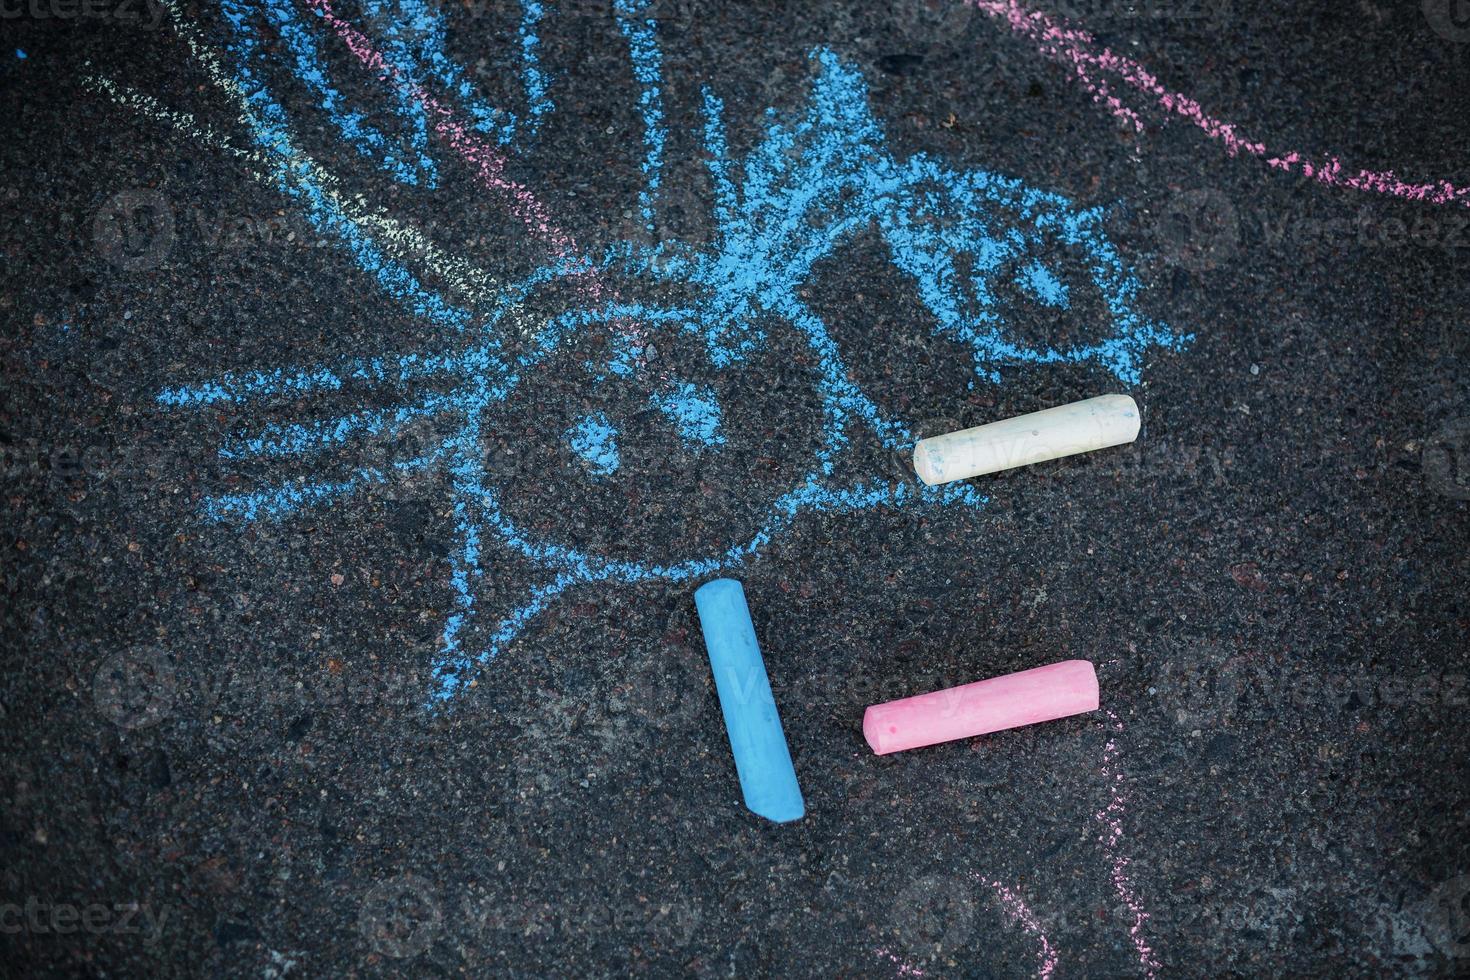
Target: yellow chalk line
(402,241)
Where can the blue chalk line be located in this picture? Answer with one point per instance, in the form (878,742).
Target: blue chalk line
(814,181)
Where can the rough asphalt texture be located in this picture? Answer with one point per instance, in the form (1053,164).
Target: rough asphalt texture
(1272,580)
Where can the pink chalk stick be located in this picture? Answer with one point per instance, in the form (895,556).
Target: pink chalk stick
(1024,698)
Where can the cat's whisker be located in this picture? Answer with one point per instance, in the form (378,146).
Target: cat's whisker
(301,438)
(252,386)
(290,497)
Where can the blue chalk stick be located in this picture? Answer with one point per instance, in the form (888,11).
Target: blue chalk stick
(767,777)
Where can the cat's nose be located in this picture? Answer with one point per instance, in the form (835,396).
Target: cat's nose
(1043,285)
(694,412)
(593,438)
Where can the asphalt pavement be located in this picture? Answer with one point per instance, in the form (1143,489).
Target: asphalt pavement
(381,379)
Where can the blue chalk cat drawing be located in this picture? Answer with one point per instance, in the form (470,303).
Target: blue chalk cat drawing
(576,508)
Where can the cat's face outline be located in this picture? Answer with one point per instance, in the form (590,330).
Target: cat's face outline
(711,314)
(705,321)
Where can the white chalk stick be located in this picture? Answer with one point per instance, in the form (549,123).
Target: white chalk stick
(1097,423)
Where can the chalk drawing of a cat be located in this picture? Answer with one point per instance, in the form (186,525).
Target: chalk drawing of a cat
(969,241)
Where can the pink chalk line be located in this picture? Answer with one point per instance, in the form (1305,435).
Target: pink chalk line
(1018,910)
(905,969)
(1111,838)
(1071,45)
(487,163)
